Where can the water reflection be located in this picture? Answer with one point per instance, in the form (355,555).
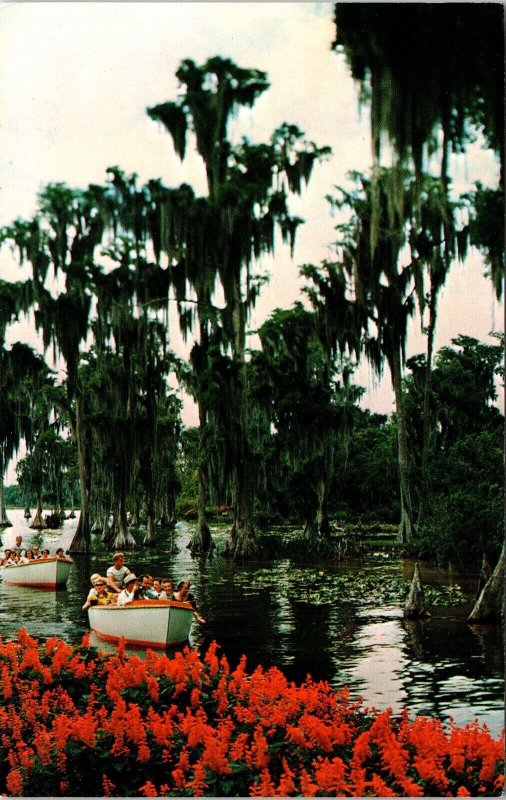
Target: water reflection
(438,666)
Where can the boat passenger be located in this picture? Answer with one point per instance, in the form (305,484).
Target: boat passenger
(21,559)
(103,597)
(184,595)
(45,554)
(60,555)
(19,544)
(36,554)
(7,560)
(116,574)
(146,588)
(93,592)
(157,586)
(131,590)
(167,592)
(29,555)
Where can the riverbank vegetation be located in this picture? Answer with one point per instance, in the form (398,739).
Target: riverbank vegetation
(76,722)
(296,419)
(281,434)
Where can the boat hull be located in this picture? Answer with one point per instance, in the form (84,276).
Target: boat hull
(48,574)
(144,623)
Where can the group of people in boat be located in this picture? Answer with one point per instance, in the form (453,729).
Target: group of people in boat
(121,586)
(18,556)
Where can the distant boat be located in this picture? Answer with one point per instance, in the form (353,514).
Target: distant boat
(46,573)
(145,623)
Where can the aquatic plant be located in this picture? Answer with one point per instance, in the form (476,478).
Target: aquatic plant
(319,587)
(77,722)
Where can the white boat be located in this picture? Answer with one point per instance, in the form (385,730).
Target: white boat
(46,573)
(145,623)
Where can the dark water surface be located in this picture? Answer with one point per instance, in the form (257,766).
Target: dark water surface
(441,666)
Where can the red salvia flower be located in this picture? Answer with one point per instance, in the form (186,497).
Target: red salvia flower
(14,783)
(212,727)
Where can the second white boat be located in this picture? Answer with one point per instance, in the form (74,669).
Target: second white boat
(46,573)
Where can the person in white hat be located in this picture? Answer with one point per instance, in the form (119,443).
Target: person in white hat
(130,592)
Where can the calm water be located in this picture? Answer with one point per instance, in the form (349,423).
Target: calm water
(440,666)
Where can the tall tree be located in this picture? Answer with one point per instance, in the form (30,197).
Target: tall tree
(132,323)
(428,103)
(23,373)
(309,407)
(435,243)
(15,298)
(63,236)
(465,492)
(248,188)
(372,292)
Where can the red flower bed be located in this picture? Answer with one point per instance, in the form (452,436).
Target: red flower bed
(78,722)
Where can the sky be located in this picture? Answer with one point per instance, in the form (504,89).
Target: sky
(75,81)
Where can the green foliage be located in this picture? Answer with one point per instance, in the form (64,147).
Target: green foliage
(487,230)
(23,412)
(465,502)
(427,66)
(368,486)
(285,417)
(305,410)
(14,497)
(433,74)
(221,237)
(317,587)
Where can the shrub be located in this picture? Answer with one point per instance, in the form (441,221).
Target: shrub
(75,721)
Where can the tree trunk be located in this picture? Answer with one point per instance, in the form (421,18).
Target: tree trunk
(323,505)
(243,540)
(81,543)
(135,518)
(108,528)
(406,527)
(123,539)
(310,530)
(489,606)
(484,576)
(414,607)
(150,518)
(317,527)
(37,521)
(150,530)
(27,513)
(4,519)
(98,525)
(72,513)
(170,507)
(201,541)
(426,434)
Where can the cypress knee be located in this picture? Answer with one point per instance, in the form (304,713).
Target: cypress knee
(489,607)
(414,607)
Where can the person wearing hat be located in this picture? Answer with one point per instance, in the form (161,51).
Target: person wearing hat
(131,590)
